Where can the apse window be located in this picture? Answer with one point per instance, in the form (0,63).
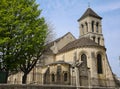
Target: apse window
(99,64)
(53,77)
(65,76)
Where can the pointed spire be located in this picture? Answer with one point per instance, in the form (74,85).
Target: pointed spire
(89,12)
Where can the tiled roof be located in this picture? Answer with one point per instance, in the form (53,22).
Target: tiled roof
(89,12)
(82,42)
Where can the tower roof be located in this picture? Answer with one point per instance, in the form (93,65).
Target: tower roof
(89,12)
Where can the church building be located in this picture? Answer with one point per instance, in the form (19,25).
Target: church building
(71,61)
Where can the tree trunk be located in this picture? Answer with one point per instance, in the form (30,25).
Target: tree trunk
(24,78)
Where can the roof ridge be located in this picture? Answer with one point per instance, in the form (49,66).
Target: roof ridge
(89,12)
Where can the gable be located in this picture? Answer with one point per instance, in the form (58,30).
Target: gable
(58,44)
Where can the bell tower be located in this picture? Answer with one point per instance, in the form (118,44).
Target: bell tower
(90,26)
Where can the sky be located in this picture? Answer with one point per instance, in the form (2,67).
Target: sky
(63,16)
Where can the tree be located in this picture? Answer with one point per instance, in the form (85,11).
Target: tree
(51,35)
(8,24)
(22,35)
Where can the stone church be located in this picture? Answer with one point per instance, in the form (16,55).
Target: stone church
(71,61)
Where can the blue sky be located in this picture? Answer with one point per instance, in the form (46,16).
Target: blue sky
(63,16)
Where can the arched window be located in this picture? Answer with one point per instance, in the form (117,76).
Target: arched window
(97,28)
(98,40)
(93,38)
(15,81)
(82,25)
(99,64)
(86,26)
(58,73)
(84,59)
(82,28)
(53,77)
(92,26)
(65,76)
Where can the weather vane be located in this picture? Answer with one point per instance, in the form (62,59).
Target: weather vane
(88,4)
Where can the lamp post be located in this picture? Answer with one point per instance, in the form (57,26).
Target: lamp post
(89,79)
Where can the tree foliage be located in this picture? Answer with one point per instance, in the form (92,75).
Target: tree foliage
(22,35)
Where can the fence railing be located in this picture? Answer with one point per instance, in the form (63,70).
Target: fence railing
(83,82)
(28,86)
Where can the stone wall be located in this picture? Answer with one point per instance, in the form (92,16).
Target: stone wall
(16,86)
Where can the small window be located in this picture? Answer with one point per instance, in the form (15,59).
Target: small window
(53,77)
(82,28)
(92,26)
(65,76)
(84,59)
(97,28)
(82,25)
(98,40)
(93,38)
(58,73)
(99,64)
(86,26)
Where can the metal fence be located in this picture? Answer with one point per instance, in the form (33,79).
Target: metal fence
(28,86)
(84,84)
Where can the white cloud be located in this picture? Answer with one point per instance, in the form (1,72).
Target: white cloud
(109,6)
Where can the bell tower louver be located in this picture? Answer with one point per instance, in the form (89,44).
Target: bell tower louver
(91,27)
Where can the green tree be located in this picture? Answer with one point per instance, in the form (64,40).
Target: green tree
(22,35)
